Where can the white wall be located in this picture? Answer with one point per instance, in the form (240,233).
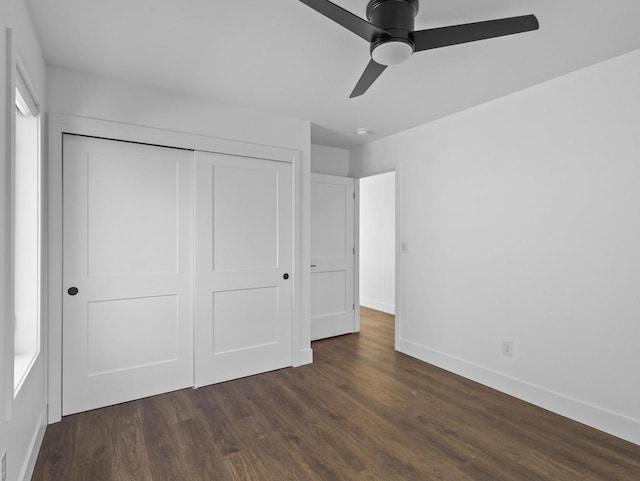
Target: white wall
(329,160)
(522,219)
(21,420)
(377,242)
(100,98)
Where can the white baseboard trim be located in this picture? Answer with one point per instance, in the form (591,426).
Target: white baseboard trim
(378,306)
(34,446)
(596,417)
(305,356)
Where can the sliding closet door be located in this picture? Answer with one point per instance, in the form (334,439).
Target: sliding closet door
(127,271)
(243,253)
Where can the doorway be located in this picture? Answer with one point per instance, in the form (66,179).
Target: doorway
(377,242)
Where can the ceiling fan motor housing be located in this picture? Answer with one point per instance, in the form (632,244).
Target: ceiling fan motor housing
(397,18)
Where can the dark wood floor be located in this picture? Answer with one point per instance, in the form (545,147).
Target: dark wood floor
(360,412)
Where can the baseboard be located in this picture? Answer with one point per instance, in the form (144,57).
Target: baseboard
(378,306)
(596,417)
(34,446)
(305,356)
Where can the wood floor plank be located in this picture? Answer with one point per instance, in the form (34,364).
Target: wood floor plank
(130,454)
(360,412)
(168,446)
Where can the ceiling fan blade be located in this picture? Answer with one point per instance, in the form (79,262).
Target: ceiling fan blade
(348,20)
(471,32)
(370,74)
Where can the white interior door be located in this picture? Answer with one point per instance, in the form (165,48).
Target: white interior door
(243,303)
(128,237)
(332,256)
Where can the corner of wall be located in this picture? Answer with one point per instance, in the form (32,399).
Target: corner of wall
(329,160)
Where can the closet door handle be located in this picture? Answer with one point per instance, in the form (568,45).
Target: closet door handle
(72,291)
(285,277)
(314,265)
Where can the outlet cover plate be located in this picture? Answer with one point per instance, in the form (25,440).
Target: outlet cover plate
(507,348)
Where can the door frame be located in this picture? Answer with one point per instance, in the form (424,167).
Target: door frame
(396,167)
(59,124)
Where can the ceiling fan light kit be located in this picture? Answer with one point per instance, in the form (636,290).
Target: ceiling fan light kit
(390,32)
(392,52)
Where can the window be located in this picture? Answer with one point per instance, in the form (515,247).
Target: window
(26,231)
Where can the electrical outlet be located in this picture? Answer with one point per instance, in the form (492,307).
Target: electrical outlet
(4,465)
(404,247)
(507,348)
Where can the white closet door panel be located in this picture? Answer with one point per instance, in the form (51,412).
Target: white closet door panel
(332,256)
(118,333)
(128,235)
(134,232)
(243,305)
(234,312)
(245,213)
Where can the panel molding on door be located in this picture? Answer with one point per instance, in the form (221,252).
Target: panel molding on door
(243,261)
(128,252)
(332,256)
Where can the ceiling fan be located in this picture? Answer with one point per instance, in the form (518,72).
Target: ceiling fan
(393,40)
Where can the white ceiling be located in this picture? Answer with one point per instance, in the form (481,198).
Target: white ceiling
(281,56)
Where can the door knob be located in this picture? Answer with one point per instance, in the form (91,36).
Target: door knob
(72,291)
(285,277)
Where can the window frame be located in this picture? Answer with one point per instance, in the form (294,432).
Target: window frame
(18,81)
